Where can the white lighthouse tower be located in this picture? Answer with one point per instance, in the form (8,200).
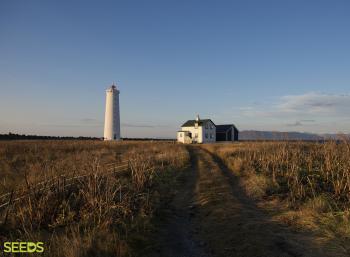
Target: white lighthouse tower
(112,114)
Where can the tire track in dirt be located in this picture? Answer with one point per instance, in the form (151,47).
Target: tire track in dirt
(211,216)
(176,230)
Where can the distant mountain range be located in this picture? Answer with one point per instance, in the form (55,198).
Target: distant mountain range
(276,135)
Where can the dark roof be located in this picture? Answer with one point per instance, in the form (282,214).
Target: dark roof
(190,123)
(224,128)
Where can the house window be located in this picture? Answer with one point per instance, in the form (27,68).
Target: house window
(211,135)
(180,134)
(211,126)
(206,126)
(196,135)
(206,135)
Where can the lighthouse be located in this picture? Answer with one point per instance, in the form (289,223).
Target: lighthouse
(112,114)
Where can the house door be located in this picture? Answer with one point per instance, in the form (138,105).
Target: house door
(195,138)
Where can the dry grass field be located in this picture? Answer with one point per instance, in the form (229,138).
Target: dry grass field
(246,199)
(303,185)
(100,215)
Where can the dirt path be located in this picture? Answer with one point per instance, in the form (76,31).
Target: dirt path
(176,231)
(211,216)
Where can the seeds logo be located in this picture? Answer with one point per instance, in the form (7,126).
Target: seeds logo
(23,247)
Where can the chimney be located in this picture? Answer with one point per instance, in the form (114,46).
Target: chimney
(197,121)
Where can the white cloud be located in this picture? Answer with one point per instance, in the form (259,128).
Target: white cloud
(314,112)
(316,103)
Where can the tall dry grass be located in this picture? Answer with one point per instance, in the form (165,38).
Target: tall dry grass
(294,170)
(311,179)
(38,160)
(99,215)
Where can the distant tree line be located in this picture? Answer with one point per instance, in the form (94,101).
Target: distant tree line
(13,136)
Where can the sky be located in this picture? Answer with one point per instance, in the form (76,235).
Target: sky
(281,65)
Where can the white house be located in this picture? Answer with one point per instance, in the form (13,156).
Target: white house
(197,131)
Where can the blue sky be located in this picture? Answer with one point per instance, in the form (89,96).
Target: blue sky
(266,65)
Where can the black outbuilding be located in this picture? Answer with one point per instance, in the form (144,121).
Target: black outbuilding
(226,132)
